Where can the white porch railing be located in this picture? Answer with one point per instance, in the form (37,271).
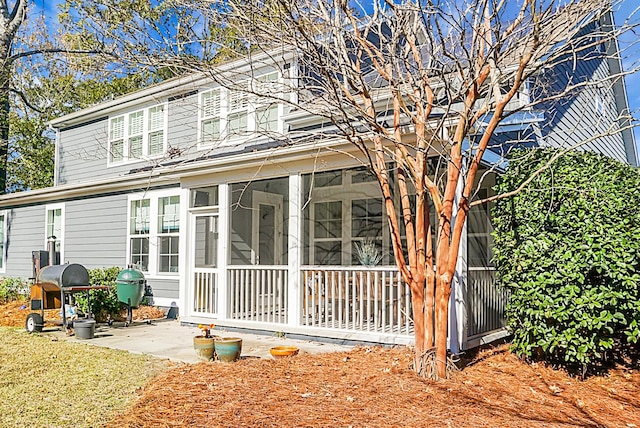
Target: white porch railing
(486,302)
(258,293)
(205,292)
(355,298)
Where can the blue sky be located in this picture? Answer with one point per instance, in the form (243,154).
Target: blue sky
(629,45)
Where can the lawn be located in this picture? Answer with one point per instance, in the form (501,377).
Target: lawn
(55,383)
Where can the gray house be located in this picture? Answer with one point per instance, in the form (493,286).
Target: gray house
(186,180)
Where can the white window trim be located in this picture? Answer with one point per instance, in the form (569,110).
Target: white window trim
(222,117)
(5,214)
(48,208)
(154,236)
(254,103)
(126,159)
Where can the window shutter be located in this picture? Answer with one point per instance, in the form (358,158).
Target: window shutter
(211,103)
(156,143)
(117,128)
(238,99)
(156,118)
(136,122)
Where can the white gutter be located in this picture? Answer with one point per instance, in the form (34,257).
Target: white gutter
(167,175)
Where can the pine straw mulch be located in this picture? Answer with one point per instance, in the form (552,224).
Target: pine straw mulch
(14,313)
(374,387)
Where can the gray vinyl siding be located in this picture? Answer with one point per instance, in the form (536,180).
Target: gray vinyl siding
(165,288)
(83,149)
(575,118)
(25,233)
(96,232)
(183,125)
(82,152)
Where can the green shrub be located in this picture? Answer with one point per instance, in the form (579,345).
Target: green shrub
(13,289)
(568,250)
(104,303)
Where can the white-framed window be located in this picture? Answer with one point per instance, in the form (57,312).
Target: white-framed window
(267,118)
(137,135)
(154,232)
(168,233)
(139,222)
(3,241)
(228,114)
(209,116)
(54,229)
(237,111)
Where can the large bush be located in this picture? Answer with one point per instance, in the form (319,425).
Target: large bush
(568,250)
(104,303)
(13,289)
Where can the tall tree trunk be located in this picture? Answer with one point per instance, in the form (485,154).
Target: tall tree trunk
(5,79)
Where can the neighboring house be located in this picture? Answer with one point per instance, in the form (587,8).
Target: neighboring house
(185,180)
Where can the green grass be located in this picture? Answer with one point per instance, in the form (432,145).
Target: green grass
(45,382)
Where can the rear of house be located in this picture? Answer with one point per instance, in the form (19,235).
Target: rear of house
(189,182)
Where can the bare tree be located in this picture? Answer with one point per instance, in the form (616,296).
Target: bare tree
(424,86)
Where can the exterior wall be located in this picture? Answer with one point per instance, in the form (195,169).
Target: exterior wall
(25,233)
(587,112)
(95,236)
(96,231)
(82,152)
(83,149)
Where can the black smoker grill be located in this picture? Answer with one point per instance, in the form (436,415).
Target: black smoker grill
(53,287)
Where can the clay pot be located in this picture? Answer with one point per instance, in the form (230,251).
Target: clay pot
(204,347)
(228,349)
(283,351)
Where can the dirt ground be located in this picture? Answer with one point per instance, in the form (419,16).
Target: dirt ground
(14,314)
(373,387)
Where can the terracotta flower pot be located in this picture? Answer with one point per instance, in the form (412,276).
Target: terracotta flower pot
(283,351)
(228,349)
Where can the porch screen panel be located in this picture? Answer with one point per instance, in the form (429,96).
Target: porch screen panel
(327,233)
(366,231)
(206,237)
(259,222)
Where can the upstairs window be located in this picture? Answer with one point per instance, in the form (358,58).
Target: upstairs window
(137,135)
(210,116)
(238,103)
(231,113)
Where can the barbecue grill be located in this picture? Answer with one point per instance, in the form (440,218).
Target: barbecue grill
(131,287)
(52,289)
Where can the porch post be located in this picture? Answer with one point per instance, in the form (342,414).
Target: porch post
(295,250)
(457,302)
(223,249)
(185,293)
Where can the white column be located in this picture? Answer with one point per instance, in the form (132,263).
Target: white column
(457,302)
(295,250)
(224,226)
(185,293)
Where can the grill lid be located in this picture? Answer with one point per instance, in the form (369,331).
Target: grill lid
(63,276)
(130,276)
